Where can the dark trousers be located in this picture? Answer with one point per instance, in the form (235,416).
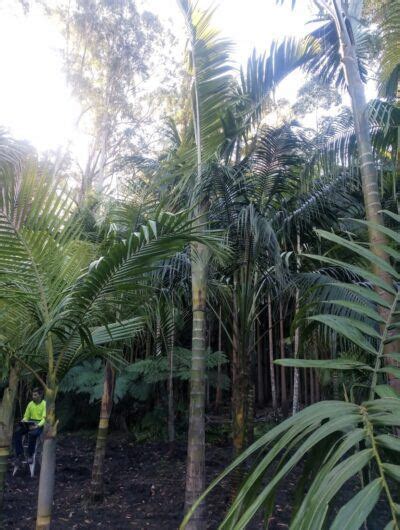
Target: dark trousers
(21,431)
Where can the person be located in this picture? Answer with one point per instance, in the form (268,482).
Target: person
(32,425)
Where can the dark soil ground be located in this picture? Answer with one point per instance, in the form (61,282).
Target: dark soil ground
(144,489)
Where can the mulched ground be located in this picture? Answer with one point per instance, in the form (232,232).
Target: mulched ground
(144,489)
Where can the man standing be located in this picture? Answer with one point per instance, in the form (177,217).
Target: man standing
(31,424)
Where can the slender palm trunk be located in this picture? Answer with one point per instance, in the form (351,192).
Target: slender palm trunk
(195,470)
(271,355)
(312,387)
(218,395)
(97,483)
(304,376)
(7,410)
(282,352)
(171,411)
(260,378)
(368,170)
(48,467)
(239,388)
(296,374)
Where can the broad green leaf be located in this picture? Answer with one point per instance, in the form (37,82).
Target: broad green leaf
(388,441)
(352,515)
(361,251)
(324,430)
(348,329)
(393,370)
(386,391)
(334,364)
(365,292)
(359,271)
(393,470)
(363,309)
(340,474)
(395,236)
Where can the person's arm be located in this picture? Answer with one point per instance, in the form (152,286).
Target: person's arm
(43,419)
(27,415)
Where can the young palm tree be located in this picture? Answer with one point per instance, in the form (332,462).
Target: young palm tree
(41,234)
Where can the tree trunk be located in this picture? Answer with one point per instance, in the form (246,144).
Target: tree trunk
(312,387)
(195,470)
(304,376)
(239,387)
(171,411)
(97,483)
(47,470)
(282,368)
(7,410)
(260,374)
(296,382)
(271,355)
(368,170)
(218,395)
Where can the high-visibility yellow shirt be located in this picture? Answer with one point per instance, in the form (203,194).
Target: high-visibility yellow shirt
(36,412)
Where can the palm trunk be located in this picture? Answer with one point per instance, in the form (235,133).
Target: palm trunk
(312,387)
(195,470)
(171,412)
(97,483)
(7,410)
(368,170)
(296,382)
(260,378)
(282,368)
(239,390)
(271,355)
(296,385)
(218,395)
(304,376)
(47,470)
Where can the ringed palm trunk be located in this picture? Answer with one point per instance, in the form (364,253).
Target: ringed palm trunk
(239,382)
(239,396)
(47,470)
(260,378)
(296,374)
(171,412)
(282,352)
(195,470)
(368,170)
(218,395)
(7,410)
(97,483)
(271,355)
(48,466)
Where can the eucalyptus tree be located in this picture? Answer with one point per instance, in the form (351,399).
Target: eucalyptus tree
(110,52)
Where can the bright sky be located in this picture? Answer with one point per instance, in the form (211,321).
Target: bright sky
(35,103)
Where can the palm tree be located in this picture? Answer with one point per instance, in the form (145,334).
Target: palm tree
(348,436)
(343,30)
(43,278)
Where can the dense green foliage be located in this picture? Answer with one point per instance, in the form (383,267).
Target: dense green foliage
(238,267)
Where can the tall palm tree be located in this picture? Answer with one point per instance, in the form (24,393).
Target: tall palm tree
(343,26)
